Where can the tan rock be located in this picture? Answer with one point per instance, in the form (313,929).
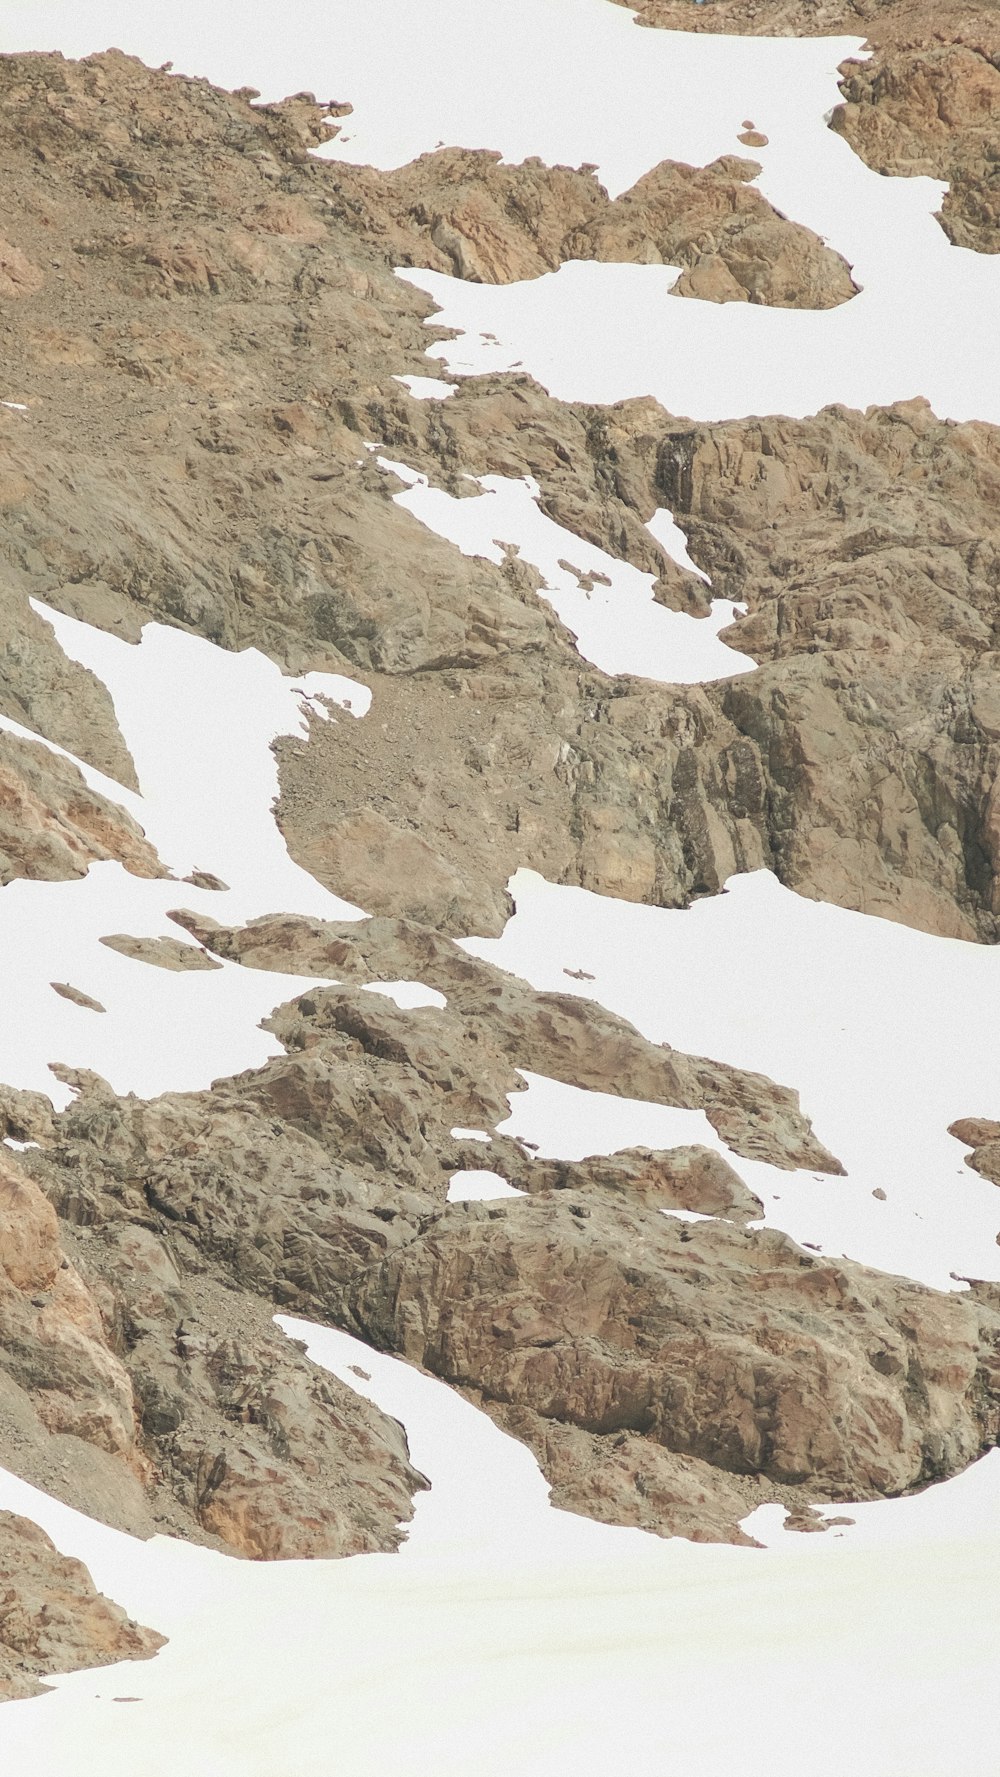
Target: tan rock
(162,953)
(53,827)
(52,1618)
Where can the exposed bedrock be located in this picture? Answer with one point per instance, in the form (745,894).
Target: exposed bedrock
(925,101)
(52,1618)
(162,1401)
(463,212)
(205,352)
(670,1375)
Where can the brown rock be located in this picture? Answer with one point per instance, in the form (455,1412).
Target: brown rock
(52,1618)
(464,212)
(52,827)
(983,1137)
(163,953)
(157,1401)
(731,1347)
(67,992)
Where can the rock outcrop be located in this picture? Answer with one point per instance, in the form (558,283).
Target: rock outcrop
(209,331)
(933,107)
(159,1401)
(982,1135)
(735,1350)
(673,1375)
(53,826)
(465,213)
(926,100)
(863,545)
(52,1618)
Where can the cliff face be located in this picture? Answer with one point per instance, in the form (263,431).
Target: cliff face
(202,318)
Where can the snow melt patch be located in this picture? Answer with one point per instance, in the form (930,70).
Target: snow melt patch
(570,1123)
(888,1035)
(617,626)
(509,1636)
(410,996)
(480,1187)
(199,723)
(426,388)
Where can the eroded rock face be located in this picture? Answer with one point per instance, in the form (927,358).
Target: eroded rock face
(52,1618)
(463,212)
(934,109)
(983,1136)
(736,1349)
(205,371)
(53,827)
(856,763)
(160,1401)
(859,762)
(494,1024)
(926,102)
(689,1370)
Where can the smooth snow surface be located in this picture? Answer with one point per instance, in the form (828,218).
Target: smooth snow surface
(619,627)
(480,1187)
(507,1637)
(409,995)
(888,1035)
(569,1123)
(427,388)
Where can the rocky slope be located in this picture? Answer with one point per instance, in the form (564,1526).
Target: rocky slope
(982,1135)
(934,108)
(859,762)
(52,1619)
(163,1401)
(465,213)
(671,1376)
(853,780)
(53,827)
(207,329)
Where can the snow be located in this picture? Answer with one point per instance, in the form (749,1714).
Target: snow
(508,1636)
(888,1034)
(570,1123)
(480,1187)
(199,724)
(619,627)
(426,388)
(409,995)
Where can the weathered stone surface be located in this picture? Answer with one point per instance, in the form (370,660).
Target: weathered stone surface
(52,1618)
(933,108)
(53,827)
(927,101)
(734,1348)
(983,1137)
(853,779)
(465,213)
(162,953)
(495,1023)
(161,1401)
(736,1365)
